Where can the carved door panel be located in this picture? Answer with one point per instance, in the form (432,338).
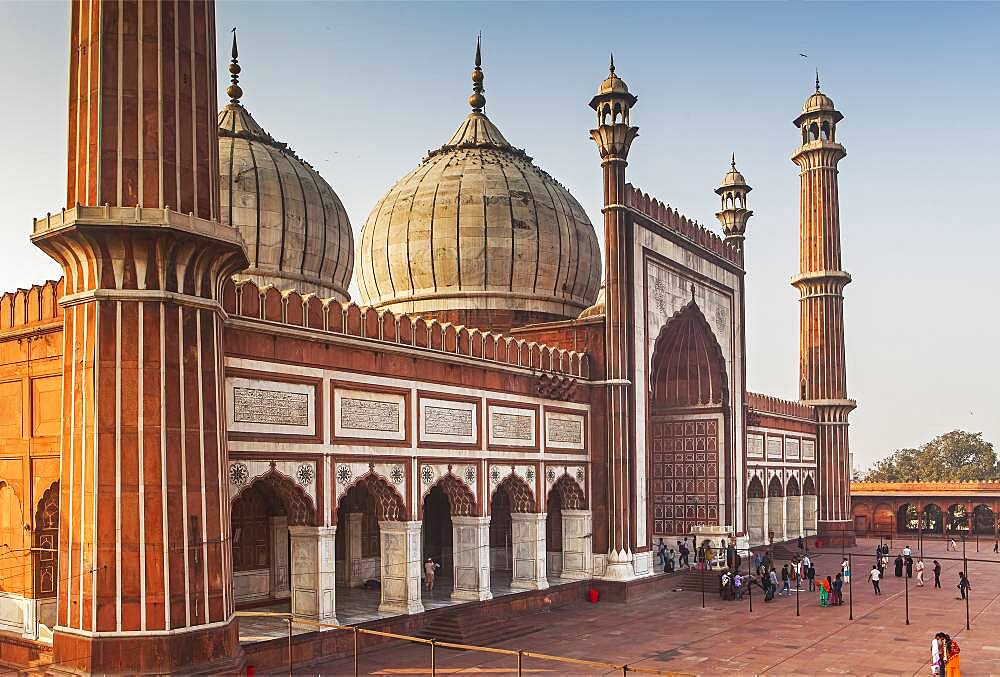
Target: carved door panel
(685,475)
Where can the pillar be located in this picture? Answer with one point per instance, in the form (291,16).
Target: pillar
(352,550)
(528,546)
(755,520)
(471,558)
(577,545)
(793,517)
(280,584)
(614,137)
(401,567)
(314,561)
(821,283)
(144,561)
(767,519)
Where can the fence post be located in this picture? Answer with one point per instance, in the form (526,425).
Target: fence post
(520,656)
(355,651)
(289,621)
(624,670)
(433,659)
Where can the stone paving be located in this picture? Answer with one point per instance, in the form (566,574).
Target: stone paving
(671,631)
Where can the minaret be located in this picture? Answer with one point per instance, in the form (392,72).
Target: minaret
(614,136)
(734,213)
(821,282)
(145,572)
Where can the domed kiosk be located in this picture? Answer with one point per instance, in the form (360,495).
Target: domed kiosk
(296,230)
(479,235)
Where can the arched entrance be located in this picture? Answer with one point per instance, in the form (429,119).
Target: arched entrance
(755,510)
(261,515)
(688,402)
(365,504)
(907,519)
(517,536)
(809,506)
(958,519)
(455,538)
(933,519)
(567,531)
(984,520)
(45,558)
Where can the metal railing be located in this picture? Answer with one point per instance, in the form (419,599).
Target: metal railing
(517,655)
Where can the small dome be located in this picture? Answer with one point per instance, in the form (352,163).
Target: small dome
(612,84)
(733,177)
(816,102)
(296,230)
(477,234)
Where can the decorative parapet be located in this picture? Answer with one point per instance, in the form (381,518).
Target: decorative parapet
(942,487)
(670,218)
(765,404)
(27,307)
(245,299)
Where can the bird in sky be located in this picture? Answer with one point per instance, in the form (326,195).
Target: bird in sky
(804,56)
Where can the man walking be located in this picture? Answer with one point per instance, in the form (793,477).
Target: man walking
(963,584)
(996,545)
(874,575)
(937,574)
(920,573)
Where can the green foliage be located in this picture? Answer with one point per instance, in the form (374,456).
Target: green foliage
(957,456)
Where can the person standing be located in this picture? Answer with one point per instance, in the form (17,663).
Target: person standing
(963,584)
(824,593)
(874,575)
(952,545)
(430,566)
(996,545)
(937,574)
(785,587)
(938,655)
(772,578)
(756,561)
(908,561)
(952,663)
(811,576)
(845,568)
(838,590)
(920,573)
(738,586)
(899,566)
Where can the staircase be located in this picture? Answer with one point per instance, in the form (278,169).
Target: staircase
(464,628)
(694,581)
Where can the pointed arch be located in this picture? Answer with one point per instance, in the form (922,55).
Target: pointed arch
(388,503)
(808,486)
(522,498)
(792,487)
(688,367)
(571,496)
(461,500)
(774,488)
(755,488)
(297,504)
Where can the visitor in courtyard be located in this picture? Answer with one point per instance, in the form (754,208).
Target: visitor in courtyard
(661,550)
(429,568)
(963,584)
(908,561)
(786,589)
(824,593)
(945,659)
(838,590)
(811,576)
(952,545)
(772,578)
(920,573)
(899,566)
(801,544)
(907,552)
(874,575)
(738,586)
(952,666)
(937,574)
(845,568)
(755,559)
(670,566)
(996,545)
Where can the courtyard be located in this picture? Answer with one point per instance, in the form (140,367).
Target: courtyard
(671,631)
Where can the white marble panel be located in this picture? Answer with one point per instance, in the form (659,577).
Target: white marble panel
(448,421)
(360,414)
(511,426)
(270,407)
(565,431)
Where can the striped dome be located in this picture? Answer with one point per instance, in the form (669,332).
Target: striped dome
(295,227)
(478,227)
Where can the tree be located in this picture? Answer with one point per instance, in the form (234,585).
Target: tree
(957,456)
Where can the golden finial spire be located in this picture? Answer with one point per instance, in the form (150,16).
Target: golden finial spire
(234,91)
(817,79)
(611,68)
(733,163)
(477,100)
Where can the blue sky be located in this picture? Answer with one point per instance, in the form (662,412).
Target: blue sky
(363,90)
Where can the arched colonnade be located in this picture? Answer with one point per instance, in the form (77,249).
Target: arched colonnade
(785,510)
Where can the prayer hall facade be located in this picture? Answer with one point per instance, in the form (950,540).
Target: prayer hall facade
(196,417)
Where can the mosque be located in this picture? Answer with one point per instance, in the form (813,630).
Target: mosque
(196,418)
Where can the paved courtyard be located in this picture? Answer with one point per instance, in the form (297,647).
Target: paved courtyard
(671,631)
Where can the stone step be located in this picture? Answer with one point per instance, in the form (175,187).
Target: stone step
(461,628)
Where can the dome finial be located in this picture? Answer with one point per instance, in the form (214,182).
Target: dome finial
(611,68)
(733,163)
(234,91)
(817,79)
(477,100)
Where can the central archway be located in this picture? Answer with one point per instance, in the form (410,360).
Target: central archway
(688,401)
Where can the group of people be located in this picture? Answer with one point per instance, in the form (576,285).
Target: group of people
(905,562)
(945,659)
(706,555)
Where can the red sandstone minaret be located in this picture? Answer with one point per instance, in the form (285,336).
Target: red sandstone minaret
(821,282)
(614,137)
(144,559)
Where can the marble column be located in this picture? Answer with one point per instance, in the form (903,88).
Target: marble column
(313,577)
(401,562)
(528,545)
(755,521)
(471,558)
(279,558)
(352,550)
(577,543)
(767,520)
(792,517)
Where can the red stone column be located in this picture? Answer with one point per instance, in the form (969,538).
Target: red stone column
(614,137)
(822,368)
(145,574)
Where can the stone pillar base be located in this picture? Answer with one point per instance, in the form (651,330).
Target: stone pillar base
(209,650)
(314,563)
(836,533)
(471,558)
(577,545)
(528,541)
(619,567)
(400,567)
